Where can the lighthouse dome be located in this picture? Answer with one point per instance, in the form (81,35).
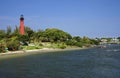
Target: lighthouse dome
(21,17)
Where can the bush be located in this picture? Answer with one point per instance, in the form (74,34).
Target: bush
(79,44)
(13,45)
(32,47)
(2,48)
(62,46)
(40,44)
(70,42)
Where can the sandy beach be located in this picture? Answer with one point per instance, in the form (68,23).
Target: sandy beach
(44,50)
(29,51)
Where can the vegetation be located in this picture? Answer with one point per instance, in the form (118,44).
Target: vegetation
(2,48)
(49,38)
(118,38)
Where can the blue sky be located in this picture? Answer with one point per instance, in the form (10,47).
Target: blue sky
(92,18)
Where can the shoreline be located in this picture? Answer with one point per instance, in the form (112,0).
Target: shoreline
(44,50)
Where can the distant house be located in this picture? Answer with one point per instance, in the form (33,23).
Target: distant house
(114,40)
(103,41)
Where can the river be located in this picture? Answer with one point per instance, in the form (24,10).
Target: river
(89,63)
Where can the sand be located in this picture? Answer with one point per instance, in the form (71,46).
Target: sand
(44,50)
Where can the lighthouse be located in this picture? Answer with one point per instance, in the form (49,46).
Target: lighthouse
(22,31)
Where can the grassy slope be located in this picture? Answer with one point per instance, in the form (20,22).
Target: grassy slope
(45,45)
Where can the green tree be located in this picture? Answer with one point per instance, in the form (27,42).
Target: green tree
(86,40)
(77,38)
(94,41)
(39,35)
(13,44)
(71,42)
(29,33)
(118,38)
(23,38)
(56,35)
(16,31)
(9,31)
(2,34)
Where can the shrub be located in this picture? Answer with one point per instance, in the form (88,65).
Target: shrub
(13,45)
(79,44)
(62,46)
(70,42)
(40,44)
(32,47)
(2,48)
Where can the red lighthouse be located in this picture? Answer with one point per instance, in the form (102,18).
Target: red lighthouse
(22,31)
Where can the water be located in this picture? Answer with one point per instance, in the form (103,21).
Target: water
(90,63)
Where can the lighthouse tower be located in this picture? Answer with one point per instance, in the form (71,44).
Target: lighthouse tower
(22,31)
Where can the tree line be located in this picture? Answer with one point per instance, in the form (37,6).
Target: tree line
(12,40)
